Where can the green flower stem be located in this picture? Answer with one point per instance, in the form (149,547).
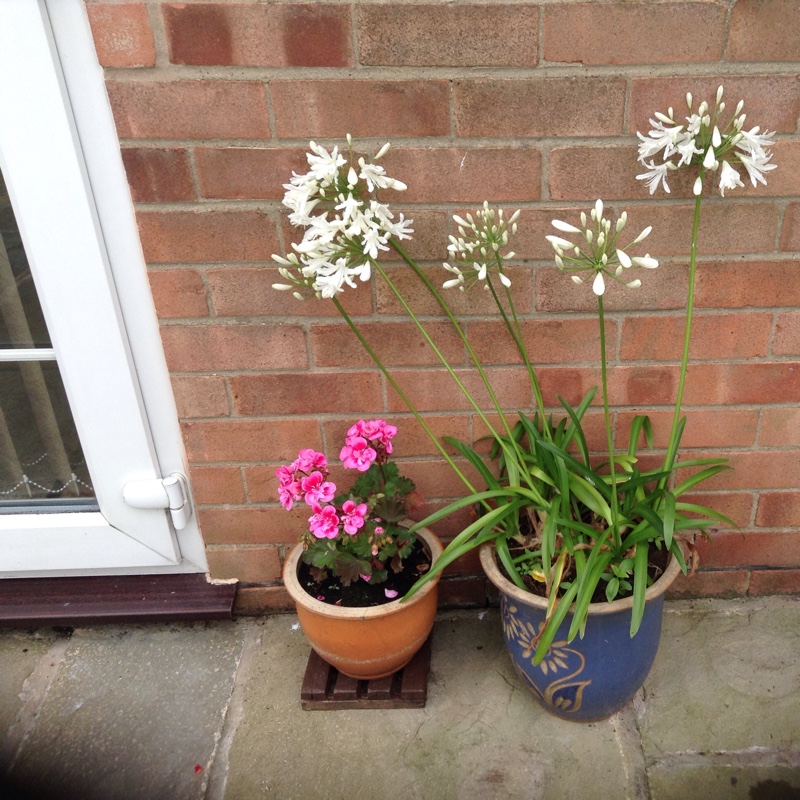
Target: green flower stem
(374,356)
(516,334)
(615,532)
(443,305)
(674,440)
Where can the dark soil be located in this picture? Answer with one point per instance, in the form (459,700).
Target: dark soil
(360,593)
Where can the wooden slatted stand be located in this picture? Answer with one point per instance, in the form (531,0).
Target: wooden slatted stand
(326,689)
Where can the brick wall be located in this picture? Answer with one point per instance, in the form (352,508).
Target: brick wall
(527,105)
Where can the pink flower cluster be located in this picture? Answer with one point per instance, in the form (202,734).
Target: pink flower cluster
(304,480)
(367,442)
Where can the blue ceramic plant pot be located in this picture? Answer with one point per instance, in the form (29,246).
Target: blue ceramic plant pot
(590,678)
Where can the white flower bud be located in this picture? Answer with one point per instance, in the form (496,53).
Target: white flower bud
(382,151)
(601,239)
(576,279)
(689,100)
(624,258)
(298,296)
(698,187)
(589,234)
(282,287)
(583,219)
(504,279)
(604,259)
(618,271)
(599,285)
(598,207)
(634,284)
(716,137)
(710,159)
(643,235)
(719,94)
(645,261)
(510,255)
(739,107)
(559,261)
(702,109)
(622,221)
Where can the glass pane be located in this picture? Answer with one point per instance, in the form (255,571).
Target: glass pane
(40,454)
(21,321)
(41,461)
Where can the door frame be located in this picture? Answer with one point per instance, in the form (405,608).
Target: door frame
(120,540)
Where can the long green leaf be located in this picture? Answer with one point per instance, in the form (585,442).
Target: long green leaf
(475,460)
(639,585)
(669,518)
(699,477)
(590,497)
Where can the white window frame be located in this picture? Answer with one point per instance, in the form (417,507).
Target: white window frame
(61,159)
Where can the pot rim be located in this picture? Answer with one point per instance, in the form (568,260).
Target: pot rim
(490,567)
(304,599)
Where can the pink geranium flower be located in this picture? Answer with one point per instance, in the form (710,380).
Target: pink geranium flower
(353,516)
(309,460)
(357,454)
(324,523)
(317,489)
(288,493)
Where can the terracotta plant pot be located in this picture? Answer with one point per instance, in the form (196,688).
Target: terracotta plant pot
(366,642)
(592,677)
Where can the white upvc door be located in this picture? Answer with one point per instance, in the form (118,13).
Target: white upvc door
(62,167)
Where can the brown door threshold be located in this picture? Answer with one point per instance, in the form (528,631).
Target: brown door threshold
(73,602)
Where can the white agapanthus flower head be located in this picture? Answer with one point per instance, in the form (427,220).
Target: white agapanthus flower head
(346,227)
(597,254)
(709,139)
(477,251)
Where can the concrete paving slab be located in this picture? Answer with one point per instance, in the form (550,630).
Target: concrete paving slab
(134,712)
(733,782)
(20,652)
(726,678)
(481,734)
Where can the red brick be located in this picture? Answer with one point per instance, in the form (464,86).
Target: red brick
(307,393)
(586,173)
(202,109)
(774,581)
(764,30)
(738,506)
(539,106)
(255,601)
(790,237)
(217,485)
(709,384)
(122,35)
(770,101)
(258,35)
(496,35)
(249,525)
(396,343)
(753,549)
(360,107)
(748,284)
(787,334)
(158,174)
(661,290)
(245,440)
(252,564)
(781,510)
(247,172)
(474,302)
(571,383)
(467,175)
(178,293)
(178,236)
(435,390)
(200,396)
(716,583)
(705,427)
(261,483)
(780,427)
(749,469)
(623,32)
(206,348)
(568,341)
(724,228)
(437,479)
(713,337)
